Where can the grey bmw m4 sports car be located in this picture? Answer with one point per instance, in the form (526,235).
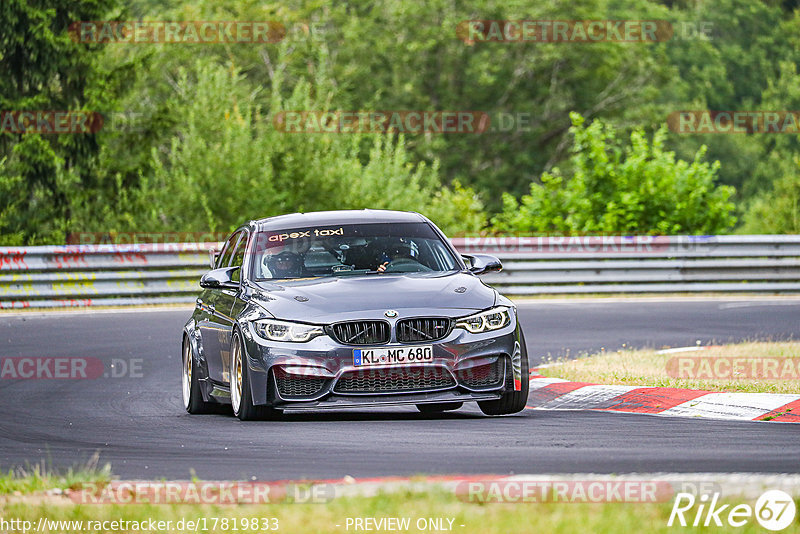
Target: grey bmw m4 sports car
(344,309)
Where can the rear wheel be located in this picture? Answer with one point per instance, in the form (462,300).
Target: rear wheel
(241,399)
(511,401)
(192,396)
(439,407)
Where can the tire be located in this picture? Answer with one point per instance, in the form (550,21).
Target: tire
(511,401)
(241,399)
(439,407)
(192,396)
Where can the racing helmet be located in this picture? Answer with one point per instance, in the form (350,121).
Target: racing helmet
(399,248)
(286,264)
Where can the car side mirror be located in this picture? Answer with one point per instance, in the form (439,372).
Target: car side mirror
(482,263)
(220,279)
(212,257)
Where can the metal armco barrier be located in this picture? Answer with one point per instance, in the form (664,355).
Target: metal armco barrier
(642,264)
(99,275)
(94,275)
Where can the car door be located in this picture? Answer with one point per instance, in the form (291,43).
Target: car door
(212,330)
(227,307)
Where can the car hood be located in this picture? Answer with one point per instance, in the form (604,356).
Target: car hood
(342,298)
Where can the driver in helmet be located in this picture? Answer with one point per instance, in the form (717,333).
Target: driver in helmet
(286,264)
(397,250)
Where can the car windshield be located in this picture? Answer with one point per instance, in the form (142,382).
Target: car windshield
(349,249)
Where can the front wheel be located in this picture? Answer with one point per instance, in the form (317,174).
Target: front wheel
(511,401)
(241,399)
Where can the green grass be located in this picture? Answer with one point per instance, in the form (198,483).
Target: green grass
(647,368)
(22,498)
(312,518)
(40,477)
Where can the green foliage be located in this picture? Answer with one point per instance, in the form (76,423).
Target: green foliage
(773,203)
(738,67)
(44,69)
(27,203)
(200,152)
(639,188)
(776,211)
(229,164)
(406,55)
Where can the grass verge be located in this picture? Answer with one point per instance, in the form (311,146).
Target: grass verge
(447,512)
(39,477)
(717,373)
(26,506)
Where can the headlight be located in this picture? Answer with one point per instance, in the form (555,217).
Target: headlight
(485,321)
(275,330)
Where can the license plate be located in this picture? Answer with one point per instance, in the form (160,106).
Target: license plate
(392,355)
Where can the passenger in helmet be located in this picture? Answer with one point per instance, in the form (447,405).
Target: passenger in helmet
(286,264)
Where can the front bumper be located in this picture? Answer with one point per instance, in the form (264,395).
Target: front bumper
(338,402)
(321,373)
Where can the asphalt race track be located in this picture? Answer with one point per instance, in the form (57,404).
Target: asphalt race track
(137,423)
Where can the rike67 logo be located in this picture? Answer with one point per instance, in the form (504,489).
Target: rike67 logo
(774,510)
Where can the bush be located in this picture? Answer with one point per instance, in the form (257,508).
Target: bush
(637,189)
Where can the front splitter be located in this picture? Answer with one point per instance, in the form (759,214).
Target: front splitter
(363,401)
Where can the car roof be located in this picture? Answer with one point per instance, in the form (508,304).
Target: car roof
(296,220)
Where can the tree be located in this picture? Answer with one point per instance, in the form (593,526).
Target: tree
(45,70)
(406,55)
(776,211)
(740,66)
(635,189)
(229,163)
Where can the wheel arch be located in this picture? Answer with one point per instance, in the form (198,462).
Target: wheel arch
(191,334)
(258,377)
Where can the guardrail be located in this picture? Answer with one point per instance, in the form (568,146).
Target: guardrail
(96,275)
(99,275)
(642,264)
